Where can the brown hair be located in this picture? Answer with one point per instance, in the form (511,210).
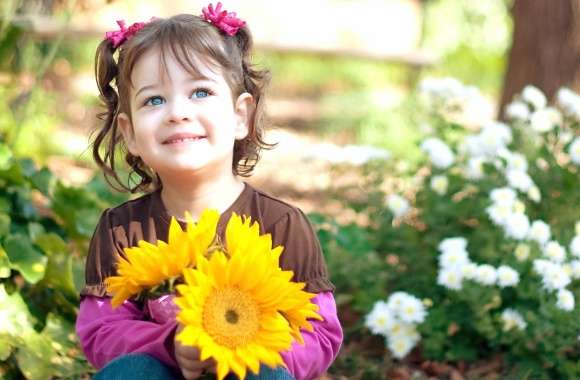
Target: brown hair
(179,36)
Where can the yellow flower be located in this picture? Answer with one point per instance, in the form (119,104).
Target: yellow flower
(232,316)
(243,239)
(149,265)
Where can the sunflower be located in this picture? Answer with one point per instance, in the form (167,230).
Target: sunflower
(239,307)
(243,239)
(148,266)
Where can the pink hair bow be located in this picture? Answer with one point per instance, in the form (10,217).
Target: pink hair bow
(224,20)
(123,34)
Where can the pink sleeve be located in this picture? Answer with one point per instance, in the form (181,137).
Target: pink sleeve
(320,347)
(106,334)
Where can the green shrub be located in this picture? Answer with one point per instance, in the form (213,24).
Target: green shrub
(44,231)
(484,234)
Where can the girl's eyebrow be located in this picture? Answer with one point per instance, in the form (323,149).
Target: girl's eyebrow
(144,88)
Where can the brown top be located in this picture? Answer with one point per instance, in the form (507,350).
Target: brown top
(146,218)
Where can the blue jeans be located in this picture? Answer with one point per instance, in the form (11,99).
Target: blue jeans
(145,367)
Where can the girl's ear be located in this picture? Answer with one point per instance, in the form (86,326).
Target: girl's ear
(126,127)
(244,109)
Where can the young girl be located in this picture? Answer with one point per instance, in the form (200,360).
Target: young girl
(184,102)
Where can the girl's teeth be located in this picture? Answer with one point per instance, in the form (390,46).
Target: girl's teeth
(184,139)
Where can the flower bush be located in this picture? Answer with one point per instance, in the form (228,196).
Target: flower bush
(485,232)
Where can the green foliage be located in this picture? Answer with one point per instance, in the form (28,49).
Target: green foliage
(44,232)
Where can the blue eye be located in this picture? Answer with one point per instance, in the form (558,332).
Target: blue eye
(154,101)
(200,93)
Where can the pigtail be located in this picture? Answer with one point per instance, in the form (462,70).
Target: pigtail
(106,71)
(255,82)
(108,137)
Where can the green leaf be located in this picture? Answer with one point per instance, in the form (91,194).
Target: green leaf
(4,264)
(5,205)
(35,230)
(59,271)
(5,157)
(28,166)
(13,175)
(35,356)
(44,181)
(78,267)
(78,209)
(5,346)
(51,243)
(4,224)
(25,258)
(16,319)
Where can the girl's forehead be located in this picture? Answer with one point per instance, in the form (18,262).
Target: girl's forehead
(163,65)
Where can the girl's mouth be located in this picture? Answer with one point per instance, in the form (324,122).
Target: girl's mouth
(179,139)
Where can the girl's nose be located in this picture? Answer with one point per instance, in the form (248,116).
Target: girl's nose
(179,110)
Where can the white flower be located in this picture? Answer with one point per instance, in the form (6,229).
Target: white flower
(471,145)
(517,226)
(439,153)
(412,310)
(567,267)
(450,279)
(569,101)
(453,259)
(441,88)
(539,232)
(503,195)
(575,264)
(541,265)
(439,184)
(534,194)
(507,276)
(474,169)
(400,346)
(519,207)
(517,111)
(494,137)
(468,271)
(499,213)
(575,246)
(519,180)
(522,252)
(555,252)
(512,319)
(545,120)
(516,161)
(398,205)
(574,151)
(403,329)
(453,244)
(534,96)
(565,300)
(380,320)
(553,276)
(486,275)
(396,301)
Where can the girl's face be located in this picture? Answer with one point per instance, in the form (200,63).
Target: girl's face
(183,124)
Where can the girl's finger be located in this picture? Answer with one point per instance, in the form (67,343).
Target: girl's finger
(190,375)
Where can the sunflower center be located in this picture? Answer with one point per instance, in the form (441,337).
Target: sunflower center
(231,317)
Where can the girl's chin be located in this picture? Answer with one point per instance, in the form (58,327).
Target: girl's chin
(190,168)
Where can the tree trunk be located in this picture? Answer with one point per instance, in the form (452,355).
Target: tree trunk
(546,47)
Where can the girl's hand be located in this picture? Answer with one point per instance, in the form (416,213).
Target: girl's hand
(187,358)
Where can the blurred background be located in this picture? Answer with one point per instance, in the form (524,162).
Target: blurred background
(345,92)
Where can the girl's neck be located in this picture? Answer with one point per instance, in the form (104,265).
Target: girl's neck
(179,198)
